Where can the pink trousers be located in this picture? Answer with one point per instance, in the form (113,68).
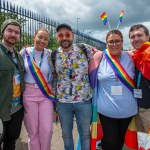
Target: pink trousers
(38,118)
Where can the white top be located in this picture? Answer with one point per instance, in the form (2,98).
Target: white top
(45,65)
(115,106)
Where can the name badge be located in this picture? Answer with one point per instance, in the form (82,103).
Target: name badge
(17,79)
(137,93)
(36,86)
(116,90)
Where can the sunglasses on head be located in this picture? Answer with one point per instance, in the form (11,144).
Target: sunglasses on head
(66,35)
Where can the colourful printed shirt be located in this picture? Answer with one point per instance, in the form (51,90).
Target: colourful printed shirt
(16,101)
(72,75)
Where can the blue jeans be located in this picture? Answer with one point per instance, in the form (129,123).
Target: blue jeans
(83,113)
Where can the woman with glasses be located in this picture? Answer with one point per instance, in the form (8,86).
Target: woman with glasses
(111,75)
(38,96)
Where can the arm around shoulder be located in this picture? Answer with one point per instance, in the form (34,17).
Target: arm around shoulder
(95,61)
(98,56)
(22,52)
(130,53)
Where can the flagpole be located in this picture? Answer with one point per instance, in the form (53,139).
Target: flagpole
(109,25)
(118,24)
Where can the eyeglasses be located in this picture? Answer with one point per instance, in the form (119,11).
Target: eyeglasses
(61,35)
(117,42)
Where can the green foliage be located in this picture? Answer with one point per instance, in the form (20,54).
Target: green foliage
(53,44)
(26,38)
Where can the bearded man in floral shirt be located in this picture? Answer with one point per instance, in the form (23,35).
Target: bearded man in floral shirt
(73,88)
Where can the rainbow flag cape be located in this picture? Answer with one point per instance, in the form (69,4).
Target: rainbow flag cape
(96,128)
(119,71)
(99,130)
(131,138)
(121,15)
(39,78)
(104,18)
(142,59)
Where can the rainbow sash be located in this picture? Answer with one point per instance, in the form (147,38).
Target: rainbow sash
(119,70)
(39,78)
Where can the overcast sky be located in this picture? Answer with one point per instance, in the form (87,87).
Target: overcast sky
(89,11)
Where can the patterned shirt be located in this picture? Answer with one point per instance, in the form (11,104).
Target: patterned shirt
(72,75)
(16,101)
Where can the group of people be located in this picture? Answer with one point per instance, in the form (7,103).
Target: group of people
(36,79)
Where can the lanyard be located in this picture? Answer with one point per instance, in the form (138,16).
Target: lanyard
(70,72)
(41,59)
(139,79)
(14,60)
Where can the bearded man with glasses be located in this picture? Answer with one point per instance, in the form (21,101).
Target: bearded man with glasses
(73,88)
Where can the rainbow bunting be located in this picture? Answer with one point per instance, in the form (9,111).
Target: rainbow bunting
(39,78)
(104,18)
(121,15)
(119,71)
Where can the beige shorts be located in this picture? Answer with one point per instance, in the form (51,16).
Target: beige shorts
(143,120)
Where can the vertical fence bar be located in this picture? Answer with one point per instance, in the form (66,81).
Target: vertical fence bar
(32,21)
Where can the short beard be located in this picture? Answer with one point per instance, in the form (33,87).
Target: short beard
(9,42)
(66,46)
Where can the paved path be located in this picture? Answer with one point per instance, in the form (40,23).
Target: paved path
(57,143)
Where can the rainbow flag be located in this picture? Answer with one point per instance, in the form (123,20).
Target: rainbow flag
(104,18)
(97,131)
(39,78)
(131,138)
(142,59)
(96,128)
(119,71)
(121,15)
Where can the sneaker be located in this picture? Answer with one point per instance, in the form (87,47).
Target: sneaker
(99,146)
